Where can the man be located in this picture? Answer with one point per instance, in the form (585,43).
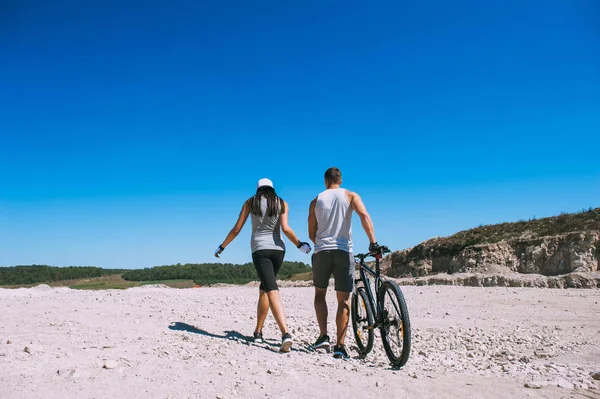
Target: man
(330,229)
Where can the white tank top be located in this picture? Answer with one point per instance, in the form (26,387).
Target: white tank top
(334,221)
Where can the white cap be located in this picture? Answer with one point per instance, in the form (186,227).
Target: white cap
(264,182)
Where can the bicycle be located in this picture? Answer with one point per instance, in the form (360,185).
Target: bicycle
(385,310)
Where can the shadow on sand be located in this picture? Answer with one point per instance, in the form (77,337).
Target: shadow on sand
(231,335)
(234,335)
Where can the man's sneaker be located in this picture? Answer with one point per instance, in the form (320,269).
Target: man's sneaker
(339,352)
(258,339)
(286,342)
(322,343)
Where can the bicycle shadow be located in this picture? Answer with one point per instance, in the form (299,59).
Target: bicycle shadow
(232,335)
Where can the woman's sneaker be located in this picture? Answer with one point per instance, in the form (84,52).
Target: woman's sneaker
(258,338)
(322,343)
(286,343)
(339,352)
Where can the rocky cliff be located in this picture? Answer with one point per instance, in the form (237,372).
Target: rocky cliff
(522,247)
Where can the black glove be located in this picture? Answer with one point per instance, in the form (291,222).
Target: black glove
(218,251)
(374,247)
(304,247)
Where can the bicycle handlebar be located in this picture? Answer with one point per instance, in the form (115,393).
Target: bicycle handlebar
(382,250)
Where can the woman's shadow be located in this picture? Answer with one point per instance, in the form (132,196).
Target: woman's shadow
(230,335)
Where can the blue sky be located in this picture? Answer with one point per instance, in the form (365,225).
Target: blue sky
(131,134)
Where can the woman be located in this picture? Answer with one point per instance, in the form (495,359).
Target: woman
(269,215)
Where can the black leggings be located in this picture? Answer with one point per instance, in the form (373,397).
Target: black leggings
(267,263)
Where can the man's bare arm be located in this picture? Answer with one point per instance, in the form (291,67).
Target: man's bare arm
(312,222)
(361,210)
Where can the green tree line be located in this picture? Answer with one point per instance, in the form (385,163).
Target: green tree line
(211,273)
(43,274)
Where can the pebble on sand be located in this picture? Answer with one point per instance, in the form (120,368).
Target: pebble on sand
(562,383)
(65,372)
(535,384)
(110,364)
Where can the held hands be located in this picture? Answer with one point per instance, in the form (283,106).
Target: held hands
(304,247)
(218,251)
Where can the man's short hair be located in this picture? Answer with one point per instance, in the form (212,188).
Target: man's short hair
(333,175)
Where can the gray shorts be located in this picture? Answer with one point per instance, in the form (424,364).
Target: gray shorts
(337,262)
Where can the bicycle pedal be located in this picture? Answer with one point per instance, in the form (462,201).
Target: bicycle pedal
(367,328)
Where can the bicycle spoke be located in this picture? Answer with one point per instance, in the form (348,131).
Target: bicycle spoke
(394,303)
(396,339)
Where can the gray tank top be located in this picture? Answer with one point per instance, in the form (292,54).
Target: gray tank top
(266,231)
(334,221)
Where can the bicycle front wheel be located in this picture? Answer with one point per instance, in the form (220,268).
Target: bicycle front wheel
(395,328)
(362,321)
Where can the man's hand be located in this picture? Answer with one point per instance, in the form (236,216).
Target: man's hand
(304,247)
(374,248)
(218,251)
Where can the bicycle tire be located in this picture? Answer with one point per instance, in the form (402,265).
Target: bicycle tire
(395,328)
(362,321)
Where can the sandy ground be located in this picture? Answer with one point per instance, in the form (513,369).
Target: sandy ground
(191,343)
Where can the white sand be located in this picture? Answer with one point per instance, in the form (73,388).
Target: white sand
(467,342)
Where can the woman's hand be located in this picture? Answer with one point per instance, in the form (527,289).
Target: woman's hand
(218,251)
(304,247)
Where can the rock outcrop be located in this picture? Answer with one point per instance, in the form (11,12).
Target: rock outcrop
(546,256)
(570,280)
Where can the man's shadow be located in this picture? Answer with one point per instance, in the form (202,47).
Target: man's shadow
(230,335)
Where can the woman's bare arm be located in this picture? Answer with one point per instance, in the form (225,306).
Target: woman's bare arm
(238,225)
(285,227)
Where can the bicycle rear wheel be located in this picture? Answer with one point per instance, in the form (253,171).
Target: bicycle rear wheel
(362,321)
(395,329)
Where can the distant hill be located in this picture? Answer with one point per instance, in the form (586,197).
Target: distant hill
(550,246)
